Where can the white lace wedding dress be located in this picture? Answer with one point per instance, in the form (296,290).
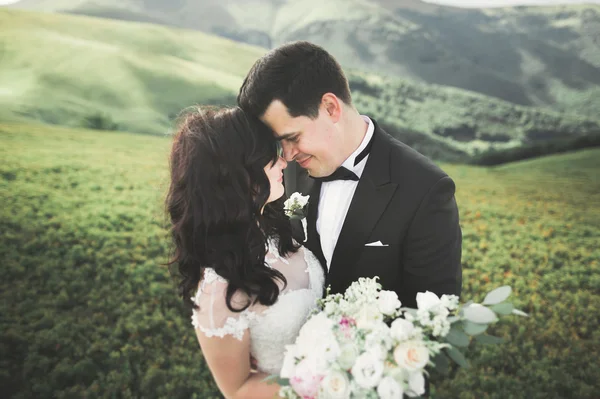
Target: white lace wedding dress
(271,327)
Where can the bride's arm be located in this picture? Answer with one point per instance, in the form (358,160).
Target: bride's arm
(229,361)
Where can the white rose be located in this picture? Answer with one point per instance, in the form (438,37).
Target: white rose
(388,302)
(348,355)
(317,341)
(416,384)
(427,300)
(411,355)
(368,317)
(402,329)
(289,362)
(311,333)
(335,385)
(388,388)
(367,370)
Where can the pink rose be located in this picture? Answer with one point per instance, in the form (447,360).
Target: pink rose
(305,382)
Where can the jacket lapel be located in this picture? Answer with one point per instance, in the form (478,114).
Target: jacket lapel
(372,195)
(308,186)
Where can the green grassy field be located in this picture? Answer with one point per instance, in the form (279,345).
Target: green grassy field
(88,310)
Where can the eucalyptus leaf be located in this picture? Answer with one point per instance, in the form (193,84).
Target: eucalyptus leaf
(504,308)
(489,339)
(474,328)
(519,313)
(453,319)
(458,357)
(442,363)
(275,379)
(457,338)
(498,295)
(480,314)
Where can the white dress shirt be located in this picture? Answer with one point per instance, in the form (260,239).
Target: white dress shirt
(336,196)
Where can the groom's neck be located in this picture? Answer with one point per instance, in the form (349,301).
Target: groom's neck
(354,130)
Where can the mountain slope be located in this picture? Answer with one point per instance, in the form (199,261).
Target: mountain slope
(60,69)
(539,56)
(81,71)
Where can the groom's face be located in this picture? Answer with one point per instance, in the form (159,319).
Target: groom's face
(313,143)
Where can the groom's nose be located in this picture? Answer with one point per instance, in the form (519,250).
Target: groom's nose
(289,151)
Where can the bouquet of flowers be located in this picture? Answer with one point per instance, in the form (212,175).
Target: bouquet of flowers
(364,344)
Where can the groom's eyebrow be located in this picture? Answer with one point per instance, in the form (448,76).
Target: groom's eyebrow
(286,136)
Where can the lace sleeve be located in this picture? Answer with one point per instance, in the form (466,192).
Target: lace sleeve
(212,316)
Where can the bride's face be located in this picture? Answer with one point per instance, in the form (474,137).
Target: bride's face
(274,173)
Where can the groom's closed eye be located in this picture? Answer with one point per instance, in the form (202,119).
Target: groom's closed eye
(289,137)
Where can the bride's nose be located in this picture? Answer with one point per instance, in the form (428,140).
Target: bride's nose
(282,162)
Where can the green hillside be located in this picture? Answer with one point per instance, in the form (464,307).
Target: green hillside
(536,56)
(61,69)
(88,309)
(461,121)
(111,75)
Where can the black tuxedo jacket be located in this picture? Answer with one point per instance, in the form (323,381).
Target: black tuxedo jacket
(403,200)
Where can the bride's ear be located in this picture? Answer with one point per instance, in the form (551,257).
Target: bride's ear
(332,105)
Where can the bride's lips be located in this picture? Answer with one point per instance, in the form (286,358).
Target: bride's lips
(304,162)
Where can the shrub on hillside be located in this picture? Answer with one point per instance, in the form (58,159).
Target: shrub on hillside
(99,121)
(497,157)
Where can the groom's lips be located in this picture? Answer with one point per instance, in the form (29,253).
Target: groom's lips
(304,162)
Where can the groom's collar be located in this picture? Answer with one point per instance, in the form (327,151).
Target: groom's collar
(350,163)
(378,167)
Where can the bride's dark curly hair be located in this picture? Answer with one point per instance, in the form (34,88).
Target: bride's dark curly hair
(215,202)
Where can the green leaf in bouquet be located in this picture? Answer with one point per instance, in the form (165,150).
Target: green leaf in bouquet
(519,313)
(480,314)
(457,338)
(489,339)
(458,357)
(275,379)
(498,295)
(504,308)
(442,363)
(474,328)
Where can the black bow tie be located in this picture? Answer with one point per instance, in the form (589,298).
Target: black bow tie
(342,173)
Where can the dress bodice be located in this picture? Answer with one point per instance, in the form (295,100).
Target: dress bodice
(271,327)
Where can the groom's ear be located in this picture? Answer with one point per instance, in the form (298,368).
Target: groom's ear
(332,105)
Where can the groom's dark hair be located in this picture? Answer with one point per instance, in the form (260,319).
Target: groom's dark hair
(297,74)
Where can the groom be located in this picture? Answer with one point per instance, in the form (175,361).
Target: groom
(376,207)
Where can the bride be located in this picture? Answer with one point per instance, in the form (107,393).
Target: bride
(250,284)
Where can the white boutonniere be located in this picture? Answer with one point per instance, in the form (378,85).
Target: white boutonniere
(295,208)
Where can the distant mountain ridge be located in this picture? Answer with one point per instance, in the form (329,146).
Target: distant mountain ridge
(537,56)
(138,77)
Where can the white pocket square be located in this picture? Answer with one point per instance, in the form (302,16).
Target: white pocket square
(376,244)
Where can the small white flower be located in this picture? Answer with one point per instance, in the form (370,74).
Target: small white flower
(388,302)
(411,355)
(367,370)
(402,329)
(427,300)
(389,388)
(335,385)
(450,302)
(416,384)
